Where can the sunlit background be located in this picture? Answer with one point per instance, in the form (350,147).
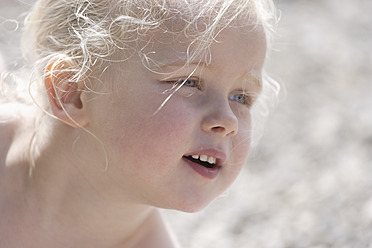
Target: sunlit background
(309,182)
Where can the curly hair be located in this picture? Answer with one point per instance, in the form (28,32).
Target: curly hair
(90,32)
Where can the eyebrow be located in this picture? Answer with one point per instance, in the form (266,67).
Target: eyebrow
(257,80)
(180,61)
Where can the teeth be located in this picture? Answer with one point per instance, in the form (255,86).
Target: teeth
(205,158)
(211,160)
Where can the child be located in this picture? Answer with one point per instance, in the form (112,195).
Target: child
(135,105)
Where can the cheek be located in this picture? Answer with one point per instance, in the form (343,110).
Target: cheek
(238,158)
(157,138)
(242,143)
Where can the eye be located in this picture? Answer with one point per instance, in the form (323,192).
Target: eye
(242,99)
(189,82)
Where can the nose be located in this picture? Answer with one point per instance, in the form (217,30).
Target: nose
(221,120)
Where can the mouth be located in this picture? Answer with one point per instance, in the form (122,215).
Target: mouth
(205,165)
(206,162)
(203,160)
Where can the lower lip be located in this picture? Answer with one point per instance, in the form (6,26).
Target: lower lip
(210,173)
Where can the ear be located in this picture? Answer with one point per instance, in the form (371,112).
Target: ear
(64,94)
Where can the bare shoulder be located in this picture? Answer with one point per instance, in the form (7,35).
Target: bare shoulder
(9,117)
(9,114)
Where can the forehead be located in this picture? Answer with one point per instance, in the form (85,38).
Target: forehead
(240,45)
(182,30)
(177,23)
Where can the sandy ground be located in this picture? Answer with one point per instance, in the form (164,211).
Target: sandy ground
(309,182)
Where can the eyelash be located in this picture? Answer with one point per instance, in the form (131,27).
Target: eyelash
(184,81)
(242,98)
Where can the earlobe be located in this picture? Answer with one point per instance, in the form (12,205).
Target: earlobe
(64,93)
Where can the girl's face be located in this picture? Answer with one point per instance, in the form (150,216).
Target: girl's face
(174,146)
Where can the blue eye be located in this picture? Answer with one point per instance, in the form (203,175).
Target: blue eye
(189,82)
(241,98)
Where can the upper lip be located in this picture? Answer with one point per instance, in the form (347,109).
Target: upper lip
(211,152)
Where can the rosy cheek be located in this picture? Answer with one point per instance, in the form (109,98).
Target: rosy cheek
(157,136)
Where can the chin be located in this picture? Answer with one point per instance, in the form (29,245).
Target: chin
(187,206)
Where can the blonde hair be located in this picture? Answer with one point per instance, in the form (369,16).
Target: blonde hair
(90,32)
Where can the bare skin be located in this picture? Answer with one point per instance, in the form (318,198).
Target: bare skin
(37,216)
(72,200)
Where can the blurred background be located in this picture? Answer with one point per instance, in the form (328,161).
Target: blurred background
(309,181)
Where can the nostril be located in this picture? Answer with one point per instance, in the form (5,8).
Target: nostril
(220,122)
(223,131)
(218,129)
